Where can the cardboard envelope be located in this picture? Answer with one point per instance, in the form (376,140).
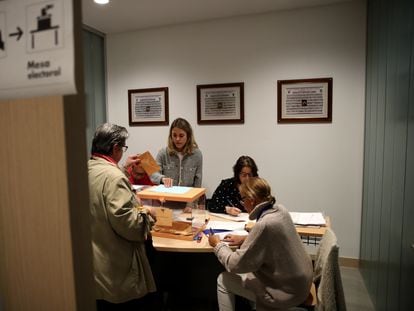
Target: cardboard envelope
(164,217)
(148,163)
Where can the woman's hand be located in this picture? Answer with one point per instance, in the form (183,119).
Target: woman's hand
(231,210)
(234,240)
(168,182)
(213,239)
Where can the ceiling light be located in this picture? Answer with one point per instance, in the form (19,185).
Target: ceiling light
(101,1)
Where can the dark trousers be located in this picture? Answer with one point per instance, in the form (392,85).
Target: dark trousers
(149,302)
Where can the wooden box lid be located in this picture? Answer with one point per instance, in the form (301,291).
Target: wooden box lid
(179,230)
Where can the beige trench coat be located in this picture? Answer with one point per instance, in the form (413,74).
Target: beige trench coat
(121,268)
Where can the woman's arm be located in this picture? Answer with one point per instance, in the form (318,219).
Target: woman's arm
(226,198)
(218,200)
(156,178)
(249,257)
(199,172)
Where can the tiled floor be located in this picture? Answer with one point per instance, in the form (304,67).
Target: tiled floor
(356,294)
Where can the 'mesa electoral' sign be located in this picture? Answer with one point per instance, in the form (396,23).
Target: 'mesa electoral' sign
(36,48)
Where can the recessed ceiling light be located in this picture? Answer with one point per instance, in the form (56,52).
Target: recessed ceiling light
(101,1)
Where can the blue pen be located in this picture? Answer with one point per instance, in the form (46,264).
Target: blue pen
(211,231)
(231,204)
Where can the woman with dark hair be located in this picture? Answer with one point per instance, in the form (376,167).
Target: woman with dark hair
(181,161)
(226,198)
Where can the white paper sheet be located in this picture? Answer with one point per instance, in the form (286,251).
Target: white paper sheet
(235,232)
(240,217)
(308,219)
(226,225)
(138,187)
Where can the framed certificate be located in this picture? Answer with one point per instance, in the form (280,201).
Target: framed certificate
(148,106)
(304,101)
(220,103)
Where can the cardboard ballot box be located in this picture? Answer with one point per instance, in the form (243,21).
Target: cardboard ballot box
(165,227)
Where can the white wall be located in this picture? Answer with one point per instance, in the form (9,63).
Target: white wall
(311,167)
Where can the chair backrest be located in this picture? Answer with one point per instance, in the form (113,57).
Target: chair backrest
(327,276)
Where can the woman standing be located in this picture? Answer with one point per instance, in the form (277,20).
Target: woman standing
(181,161)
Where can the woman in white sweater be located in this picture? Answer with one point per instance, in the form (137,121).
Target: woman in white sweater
(271,267)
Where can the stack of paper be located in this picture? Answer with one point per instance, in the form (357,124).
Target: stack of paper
(308,219)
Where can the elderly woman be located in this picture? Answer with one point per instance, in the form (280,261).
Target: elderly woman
(120,226)
(271,267)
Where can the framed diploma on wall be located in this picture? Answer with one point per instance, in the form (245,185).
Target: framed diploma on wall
(304,101)
(220,103)
(148,106)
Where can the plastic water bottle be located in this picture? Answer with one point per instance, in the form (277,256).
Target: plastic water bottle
(199,214)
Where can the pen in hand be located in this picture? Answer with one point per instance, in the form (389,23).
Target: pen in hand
(213,239)
(233,211)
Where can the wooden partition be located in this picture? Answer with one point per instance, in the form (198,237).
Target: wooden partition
(40,230)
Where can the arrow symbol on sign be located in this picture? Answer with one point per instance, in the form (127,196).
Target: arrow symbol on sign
(18,33)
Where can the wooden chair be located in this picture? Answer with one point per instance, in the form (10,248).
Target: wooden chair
(326,293)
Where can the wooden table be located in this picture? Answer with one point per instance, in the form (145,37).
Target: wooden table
(197,259)
(181,246)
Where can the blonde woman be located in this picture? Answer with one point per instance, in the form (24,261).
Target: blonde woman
(181,161)
(271,267)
